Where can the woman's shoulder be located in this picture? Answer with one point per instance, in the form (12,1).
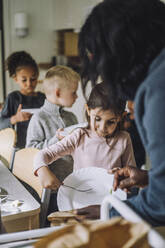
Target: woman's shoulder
(156,74)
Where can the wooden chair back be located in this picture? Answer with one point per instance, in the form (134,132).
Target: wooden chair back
(23,168)
(8,138)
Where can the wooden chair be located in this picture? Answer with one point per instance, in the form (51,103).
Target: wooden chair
(8,139)
(23,170)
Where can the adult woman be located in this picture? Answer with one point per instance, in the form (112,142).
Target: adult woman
(123,42)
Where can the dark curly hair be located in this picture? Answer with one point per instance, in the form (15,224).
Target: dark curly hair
(118,41)
(20,59)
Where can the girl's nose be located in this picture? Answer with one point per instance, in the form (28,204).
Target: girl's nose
(102,126)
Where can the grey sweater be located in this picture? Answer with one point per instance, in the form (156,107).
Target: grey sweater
(42,129)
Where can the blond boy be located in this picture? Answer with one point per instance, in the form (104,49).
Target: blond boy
(60,86)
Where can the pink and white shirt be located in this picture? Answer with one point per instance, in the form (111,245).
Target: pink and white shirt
(89,150)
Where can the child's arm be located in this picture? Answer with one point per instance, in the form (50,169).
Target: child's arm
(11,114)
(64,147)
(4,122)
(36,134)
(48,179)
(6,113)
(128,153)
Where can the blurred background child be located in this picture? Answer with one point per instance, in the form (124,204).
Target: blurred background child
(24,70)
(100,144)
(60,86)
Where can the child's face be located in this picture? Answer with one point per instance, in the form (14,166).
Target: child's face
(103,122)
(68,95)
(26,78)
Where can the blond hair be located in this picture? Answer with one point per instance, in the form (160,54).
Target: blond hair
(52,76)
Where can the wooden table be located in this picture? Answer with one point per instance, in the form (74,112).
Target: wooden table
(26,216)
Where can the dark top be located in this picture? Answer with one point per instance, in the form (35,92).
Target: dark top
(10,108)
(139,151)
(150,120)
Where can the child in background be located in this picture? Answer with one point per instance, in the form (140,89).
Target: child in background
(60,86)
(101,144)
(24,70)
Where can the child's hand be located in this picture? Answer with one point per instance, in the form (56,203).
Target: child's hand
(58,135)
(20,116)
(48,179)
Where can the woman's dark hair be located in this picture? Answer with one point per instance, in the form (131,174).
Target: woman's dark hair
(119,40)
(20,59)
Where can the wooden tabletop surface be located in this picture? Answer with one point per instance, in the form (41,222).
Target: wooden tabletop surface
(16,191)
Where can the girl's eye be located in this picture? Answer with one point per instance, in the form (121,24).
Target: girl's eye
(110,123)
(97,118)
(24,80)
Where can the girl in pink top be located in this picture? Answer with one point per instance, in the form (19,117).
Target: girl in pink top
(100,144)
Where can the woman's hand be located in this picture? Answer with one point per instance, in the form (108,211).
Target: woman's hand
(91,212)
(48,179)
(20,116)
(129,176)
